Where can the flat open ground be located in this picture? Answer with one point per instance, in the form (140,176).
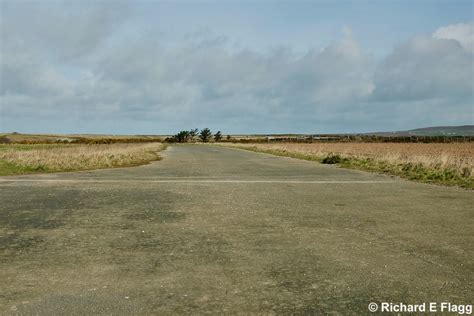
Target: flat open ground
(211,229)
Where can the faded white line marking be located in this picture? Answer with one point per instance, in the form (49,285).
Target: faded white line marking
(192,181)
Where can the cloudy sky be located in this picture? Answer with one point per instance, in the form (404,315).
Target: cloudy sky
(149,67)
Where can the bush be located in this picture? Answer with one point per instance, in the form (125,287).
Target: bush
(218,136)
(332,159)
(182,136)
(205,135)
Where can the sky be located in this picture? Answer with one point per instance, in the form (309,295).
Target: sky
(157,67)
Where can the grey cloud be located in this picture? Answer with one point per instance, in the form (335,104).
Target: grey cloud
(340,72)
(425,68)
(193,79)
(68,30)
(22,74)
(461,32)
(204,79)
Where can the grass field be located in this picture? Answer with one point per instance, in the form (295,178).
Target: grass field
(29,139)
(21,159)
(449,164)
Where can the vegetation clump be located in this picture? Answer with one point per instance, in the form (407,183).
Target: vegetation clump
(182,136)
(332,159)
(217,136)
(205,136)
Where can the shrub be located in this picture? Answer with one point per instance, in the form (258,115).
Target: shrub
(332,159)
(182,136)
(218,136)
(205,135)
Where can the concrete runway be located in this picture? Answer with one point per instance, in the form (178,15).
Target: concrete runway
(218,230)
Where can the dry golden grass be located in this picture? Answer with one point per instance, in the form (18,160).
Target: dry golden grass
(457,159)
(452,155)
(76,138)
(51,158)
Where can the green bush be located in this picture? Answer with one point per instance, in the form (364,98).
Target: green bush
(332,159)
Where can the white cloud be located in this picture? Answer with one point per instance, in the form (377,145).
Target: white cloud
(462,32)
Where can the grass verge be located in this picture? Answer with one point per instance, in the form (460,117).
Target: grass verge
(412,171)
(24,159)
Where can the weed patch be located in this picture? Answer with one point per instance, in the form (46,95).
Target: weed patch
(332,159)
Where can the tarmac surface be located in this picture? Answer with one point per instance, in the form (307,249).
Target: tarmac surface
(219,230)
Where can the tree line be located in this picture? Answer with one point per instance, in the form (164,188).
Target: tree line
(205,135)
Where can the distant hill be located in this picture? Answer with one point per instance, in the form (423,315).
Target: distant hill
(464,130)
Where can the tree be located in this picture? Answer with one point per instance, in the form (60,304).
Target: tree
(218,136)
(205,135)
(182,136)
(228,137)
(193,133)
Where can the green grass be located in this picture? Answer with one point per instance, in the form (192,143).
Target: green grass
(415,172)
(10,169)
